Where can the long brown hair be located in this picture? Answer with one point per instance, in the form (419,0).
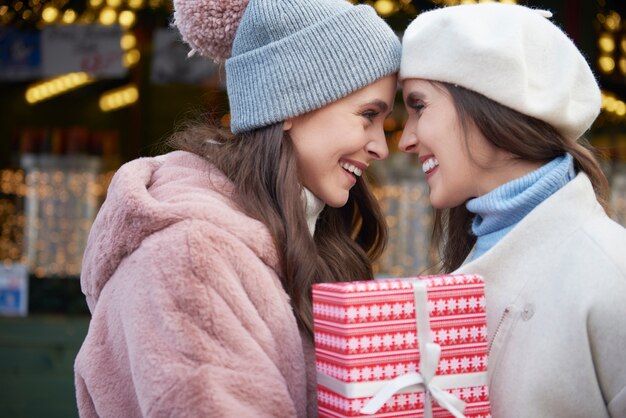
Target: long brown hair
(264,170)
(526,138)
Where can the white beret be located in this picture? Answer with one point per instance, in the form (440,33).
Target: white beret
(511,54)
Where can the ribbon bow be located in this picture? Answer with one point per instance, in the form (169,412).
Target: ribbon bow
(425,379)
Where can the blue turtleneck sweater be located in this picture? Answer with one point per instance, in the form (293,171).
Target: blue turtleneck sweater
(498,211)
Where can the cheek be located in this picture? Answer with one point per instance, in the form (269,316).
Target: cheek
(458,169)
(430,130)
(316,168)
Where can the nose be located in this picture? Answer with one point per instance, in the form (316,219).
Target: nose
(377,147)
(408,140)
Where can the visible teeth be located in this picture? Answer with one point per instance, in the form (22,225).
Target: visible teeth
(429,165)
(351,168)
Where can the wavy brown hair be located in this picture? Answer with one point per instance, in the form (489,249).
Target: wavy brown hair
(526,138)
(263,167)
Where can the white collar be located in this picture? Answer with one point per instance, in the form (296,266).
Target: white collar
(313,206)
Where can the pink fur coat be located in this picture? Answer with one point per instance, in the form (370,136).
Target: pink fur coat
(189,318)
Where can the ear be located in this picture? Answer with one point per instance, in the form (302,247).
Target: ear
(287,125)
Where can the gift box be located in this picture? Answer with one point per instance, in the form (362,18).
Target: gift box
(408,347)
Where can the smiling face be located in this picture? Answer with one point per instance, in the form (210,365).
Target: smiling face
(336,143)
(458,165)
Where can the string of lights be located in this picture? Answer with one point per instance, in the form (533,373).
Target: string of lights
(47,212)
(404,203)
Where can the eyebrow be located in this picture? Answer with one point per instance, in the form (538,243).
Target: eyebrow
(378,103)
(414,96)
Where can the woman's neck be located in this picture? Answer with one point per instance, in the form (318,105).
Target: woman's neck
(498,211)
(510,169)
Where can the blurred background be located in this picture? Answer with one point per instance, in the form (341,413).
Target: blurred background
(88,85)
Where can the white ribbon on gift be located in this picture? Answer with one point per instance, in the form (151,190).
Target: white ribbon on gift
(425,380)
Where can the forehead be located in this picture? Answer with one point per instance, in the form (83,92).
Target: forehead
(420,87)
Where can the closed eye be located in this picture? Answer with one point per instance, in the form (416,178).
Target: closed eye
(370,115)
(373,109)
(417,107)
(415,102)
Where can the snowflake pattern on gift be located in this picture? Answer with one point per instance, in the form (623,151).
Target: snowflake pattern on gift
(403,309)
(391,368)
(411,403)
(366,302)
(399,339)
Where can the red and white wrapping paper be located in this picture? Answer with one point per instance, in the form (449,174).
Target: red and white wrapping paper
(407,347)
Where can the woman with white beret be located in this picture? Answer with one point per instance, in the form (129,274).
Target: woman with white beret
(498,100)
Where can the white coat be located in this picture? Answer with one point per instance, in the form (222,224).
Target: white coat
(556,310)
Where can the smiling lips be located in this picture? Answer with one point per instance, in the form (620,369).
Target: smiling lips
(351,168)
(429,165)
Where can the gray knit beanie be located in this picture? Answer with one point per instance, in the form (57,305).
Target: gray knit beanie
(288,57)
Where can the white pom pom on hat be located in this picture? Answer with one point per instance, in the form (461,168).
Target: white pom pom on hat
(511,54)
(209,26)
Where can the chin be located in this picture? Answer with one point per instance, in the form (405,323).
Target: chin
(443,203)
(337,205)
(337,202)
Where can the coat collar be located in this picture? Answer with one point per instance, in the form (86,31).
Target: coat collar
(507,266)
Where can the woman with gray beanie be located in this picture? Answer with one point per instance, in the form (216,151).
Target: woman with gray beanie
(520,199)
(199,266)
